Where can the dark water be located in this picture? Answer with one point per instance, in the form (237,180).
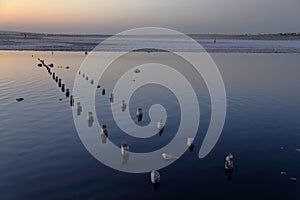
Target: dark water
(42,157)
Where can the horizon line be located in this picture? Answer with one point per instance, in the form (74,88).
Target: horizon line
(292,33)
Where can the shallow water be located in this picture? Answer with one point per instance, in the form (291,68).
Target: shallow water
(42,156)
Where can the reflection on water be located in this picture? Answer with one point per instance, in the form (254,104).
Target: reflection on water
(111,98)
(155,187)
(125,158)
(228,174)
(103,138)
(41,153)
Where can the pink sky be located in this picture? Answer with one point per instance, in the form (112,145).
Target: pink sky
(189,16)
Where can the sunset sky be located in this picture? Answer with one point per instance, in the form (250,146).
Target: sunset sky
(188,16)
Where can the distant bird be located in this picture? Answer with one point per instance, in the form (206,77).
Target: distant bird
(71,100)
(123,107)
(124,149)
(20,99)
(137,71)
(111,98)
(160,125)
(168,156)
(139,114)
(104,130)
(155,177)
(67,92)
(229,162)
(90,119)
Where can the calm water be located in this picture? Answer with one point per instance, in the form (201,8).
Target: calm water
(42,156)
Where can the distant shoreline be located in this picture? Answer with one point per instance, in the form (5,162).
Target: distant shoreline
(264,36)
(215,43)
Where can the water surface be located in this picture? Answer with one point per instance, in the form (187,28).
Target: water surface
(42,156)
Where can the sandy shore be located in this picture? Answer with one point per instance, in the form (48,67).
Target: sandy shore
(265,43)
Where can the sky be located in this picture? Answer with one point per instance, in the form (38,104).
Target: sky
(187,16)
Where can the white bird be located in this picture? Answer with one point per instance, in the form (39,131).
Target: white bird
(155,177)
(160,125)
(168,157)
(190,142)
(124,149)
(123,107)
(229,162)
